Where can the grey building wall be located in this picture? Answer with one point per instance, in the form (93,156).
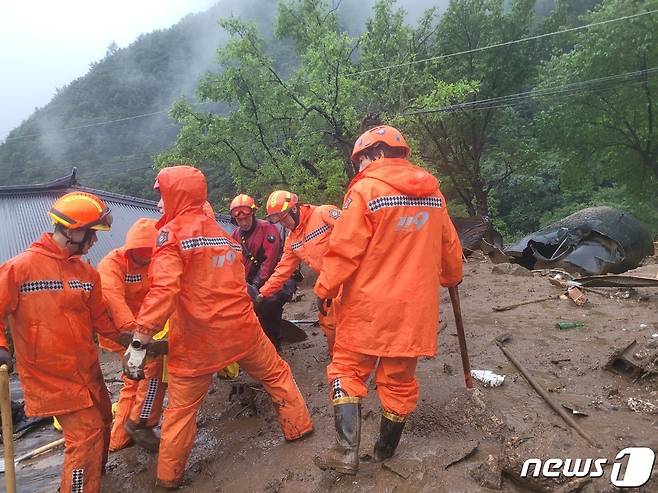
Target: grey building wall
(24,216)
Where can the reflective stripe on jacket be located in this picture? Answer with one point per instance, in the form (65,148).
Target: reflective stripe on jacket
(54,304)
(392,249)
(197,277)
(306,243)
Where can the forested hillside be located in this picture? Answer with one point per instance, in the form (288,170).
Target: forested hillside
(525,110)
(133,88)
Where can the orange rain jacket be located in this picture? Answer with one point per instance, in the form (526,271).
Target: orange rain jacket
(393,247)
(306,243)
(197,277)
(54,303)
(125,283)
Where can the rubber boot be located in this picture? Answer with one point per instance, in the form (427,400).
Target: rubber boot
(161,485)
(144,437)
(344,456)
(390,431)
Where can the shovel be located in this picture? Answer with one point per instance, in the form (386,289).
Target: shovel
(290,333)
(29,455)
(7,430)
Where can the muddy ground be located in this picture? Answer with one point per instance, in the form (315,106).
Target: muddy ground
(455,441)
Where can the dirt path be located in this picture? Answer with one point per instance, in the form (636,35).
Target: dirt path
(453,442)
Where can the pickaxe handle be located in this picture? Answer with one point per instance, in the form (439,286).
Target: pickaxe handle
(456,308)
(7,430)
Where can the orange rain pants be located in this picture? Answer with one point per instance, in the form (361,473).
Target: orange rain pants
(86,439)
(328,326)
(140,402)
(397,386)
(186,394)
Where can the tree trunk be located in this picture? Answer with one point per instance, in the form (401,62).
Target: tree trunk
(481,202)
(651,163)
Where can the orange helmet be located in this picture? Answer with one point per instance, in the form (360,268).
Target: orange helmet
(383,134)
(243,201)
(281,201)
(81,210)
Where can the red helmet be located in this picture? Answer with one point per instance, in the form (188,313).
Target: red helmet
(383,134)
(281,201)
(81,210)
(243,202)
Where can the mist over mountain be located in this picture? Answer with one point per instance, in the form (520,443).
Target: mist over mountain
(133,89)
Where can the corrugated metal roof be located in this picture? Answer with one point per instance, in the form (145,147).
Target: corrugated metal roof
(23,216)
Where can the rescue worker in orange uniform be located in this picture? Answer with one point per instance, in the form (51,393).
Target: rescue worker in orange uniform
(54,304)
(197,280)
(261,249)
(124,273)
(391,252)
(310,228)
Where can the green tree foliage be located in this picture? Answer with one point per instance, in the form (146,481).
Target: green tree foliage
(476,146)
(605,135)
(293,125)
(142,79)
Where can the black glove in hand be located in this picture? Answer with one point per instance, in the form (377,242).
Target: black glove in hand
(134,360)
(323,305)
(254,294)
(5,359)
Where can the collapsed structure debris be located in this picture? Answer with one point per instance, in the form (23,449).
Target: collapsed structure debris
(635,360)
(592,241)
(475,233)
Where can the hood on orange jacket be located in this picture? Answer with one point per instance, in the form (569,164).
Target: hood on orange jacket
(208,210)
(183,189)
(401,175)
(142,234)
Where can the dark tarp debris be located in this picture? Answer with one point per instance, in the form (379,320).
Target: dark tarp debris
(617,282)
(473,230)
(592,241)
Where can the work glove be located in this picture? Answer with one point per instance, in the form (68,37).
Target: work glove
(229,372)
(157,348)
(134,360)
(5,359)
(323,305)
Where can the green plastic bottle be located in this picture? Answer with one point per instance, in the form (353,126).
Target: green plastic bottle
(569,325)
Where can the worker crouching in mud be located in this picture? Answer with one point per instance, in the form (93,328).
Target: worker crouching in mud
(124,273)
(310,228)
(198,282)
(392,249)
(54,304)
(261,249)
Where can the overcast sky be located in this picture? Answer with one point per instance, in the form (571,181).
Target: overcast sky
(46,44)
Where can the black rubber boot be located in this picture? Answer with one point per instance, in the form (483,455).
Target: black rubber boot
(344,456)
(144,437)
(390,431)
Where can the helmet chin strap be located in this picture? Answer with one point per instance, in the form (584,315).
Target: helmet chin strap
(79,244)
(295,216)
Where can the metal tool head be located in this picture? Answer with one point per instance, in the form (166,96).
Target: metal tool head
(503,338)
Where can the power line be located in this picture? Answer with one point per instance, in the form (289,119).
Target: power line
(498,45)
(372,70)
(566,89)
(89,125)
(510,100)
